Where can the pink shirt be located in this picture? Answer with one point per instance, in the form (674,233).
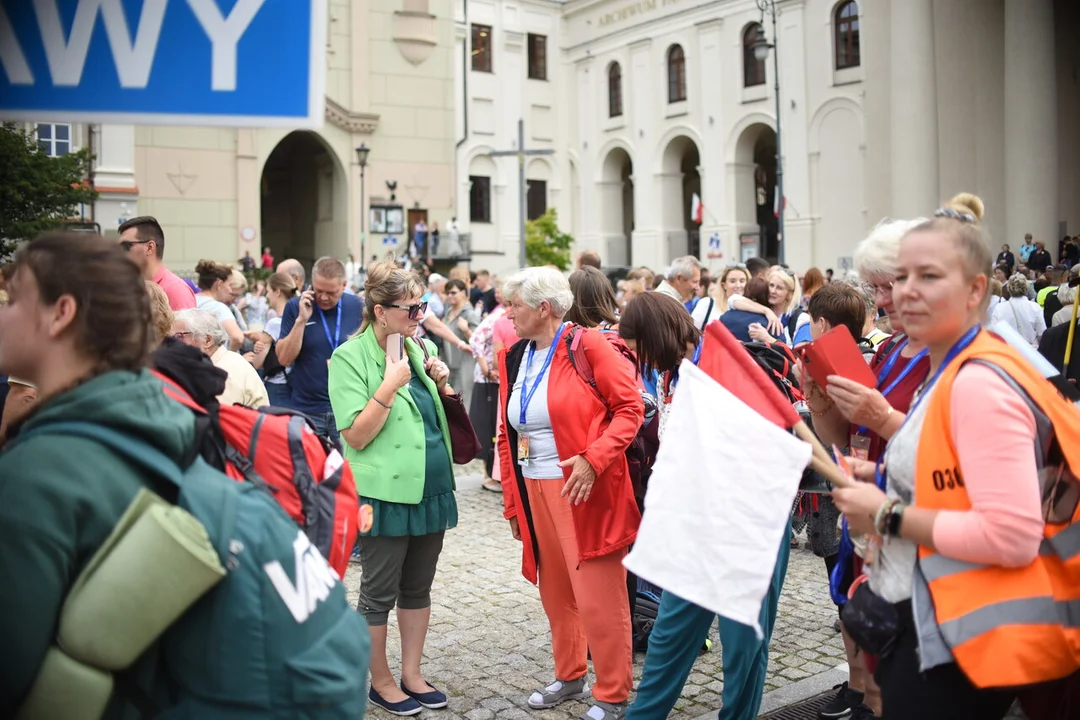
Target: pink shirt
(178,292)
(504,332)
(994,434)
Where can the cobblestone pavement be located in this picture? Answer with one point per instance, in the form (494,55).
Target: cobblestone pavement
(489,646)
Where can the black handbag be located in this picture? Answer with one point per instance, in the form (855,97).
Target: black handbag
(871,621)
(464,445)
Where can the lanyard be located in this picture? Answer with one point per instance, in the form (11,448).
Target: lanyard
(889,363)
(336,340)
(959,347)
(526,393)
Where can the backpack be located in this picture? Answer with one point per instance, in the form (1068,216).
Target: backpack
(276,638)
(641,453)
(306,473)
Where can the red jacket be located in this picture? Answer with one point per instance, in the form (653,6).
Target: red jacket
(609,519)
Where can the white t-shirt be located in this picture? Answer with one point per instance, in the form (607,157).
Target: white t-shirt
(543,456)
(706,311)
(273,329)
(1024,315)
(216,308)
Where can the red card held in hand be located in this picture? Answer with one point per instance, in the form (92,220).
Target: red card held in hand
(837,353)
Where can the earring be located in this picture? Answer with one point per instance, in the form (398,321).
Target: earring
(383,324)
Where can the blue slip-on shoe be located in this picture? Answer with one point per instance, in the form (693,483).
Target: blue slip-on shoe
(434,700)
(406,707)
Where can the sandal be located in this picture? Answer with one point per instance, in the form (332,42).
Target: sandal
(605,711)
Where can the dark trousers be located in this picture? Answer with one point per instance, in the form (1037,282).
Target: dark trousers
(941,693)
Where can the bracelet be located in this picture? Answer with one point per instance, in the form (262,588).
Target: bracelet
(882,513)
(892,522)
(381,402)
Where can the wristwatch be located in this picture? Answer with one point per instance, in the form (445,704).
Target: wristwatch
(895,518)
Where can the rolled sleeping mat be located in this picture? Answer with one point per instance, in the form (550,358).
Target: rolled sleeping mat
(151,575)
(66,688)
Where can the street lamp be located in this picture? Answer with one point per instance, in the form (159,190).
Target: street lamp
(761,51)
(361,160)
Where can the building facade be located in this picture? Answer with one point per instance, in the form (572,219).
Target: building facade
(221,192)
(887,107)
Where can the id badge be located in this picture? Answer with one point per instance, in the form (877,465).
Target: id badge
(860,446)
(523,450)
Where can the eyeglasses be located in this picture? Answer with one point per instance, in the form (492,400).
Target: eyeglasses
(182,335)
(885,289)
(128,244)
(415,311)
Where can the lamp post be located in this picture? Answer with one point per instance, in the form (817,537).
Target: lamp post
(361,160)
(761,51)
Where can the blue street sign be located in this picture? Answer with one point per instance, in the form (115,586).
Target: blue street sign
(244,63)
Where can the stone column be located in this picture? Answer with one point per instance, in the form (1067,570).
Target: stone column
(914,109)
(1031,163)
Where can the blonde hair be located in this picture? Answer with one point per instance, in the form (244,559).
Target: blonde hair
(877,256)
(959,219)
(717,291)
(237,281)
(792,283)
(283,283)
(386,284)
(161,315)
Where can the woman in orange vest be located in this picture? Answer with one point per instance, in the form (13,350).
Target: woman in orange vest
(973,579)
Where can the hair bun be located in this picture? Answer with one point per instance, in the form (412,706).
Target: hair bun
(206,267)
(967,203)
(379,273)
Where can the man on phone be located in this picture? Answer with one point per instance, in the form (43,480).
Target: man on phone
(312,327)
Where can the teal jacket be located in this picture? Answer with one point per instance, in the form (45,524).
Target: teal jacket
(60,497)
(391,468)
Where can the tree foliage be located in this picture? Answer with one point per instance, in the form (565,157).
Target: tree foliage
(37,192)
(545,243)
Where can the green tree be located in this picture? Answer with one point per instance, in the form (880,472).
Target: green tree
(37,192)
(545,243)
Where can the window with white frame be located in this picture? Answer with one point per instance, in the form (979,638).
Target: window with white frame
(54,139)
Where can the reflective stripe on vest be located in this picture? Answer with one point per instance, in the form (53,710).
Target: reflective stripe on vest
(1021,611)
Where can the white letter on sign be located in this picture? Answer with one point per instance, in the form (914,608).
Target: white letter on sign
(224,35)
(67,57)
(11,55)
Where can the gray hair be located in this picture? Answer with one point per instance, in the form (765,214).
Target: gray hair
(867,291)
(538,284)
(878,256)
(683,267)
(329,268)
(204,326)
(1017,286)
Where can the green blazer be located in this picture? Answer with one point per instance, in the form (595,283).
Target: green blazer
(391,467)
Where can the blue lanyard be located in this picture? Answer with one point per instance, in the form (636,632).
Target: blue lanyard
(889,363)
(959,347)
(526,397)
(336,340)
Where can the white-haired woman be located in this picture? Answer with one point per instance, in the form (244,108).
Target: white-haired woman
(200,329)
(1023,314)
(567,490)
(863,419)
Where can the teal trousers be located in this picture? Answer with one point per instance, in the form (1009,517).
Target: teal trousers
(680,630)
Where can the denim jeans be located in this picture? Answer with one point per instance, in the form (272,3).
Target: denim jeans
(279,394)
(325,425)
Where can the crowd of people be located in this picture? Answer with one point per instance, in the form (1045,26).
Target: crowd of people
(947,564)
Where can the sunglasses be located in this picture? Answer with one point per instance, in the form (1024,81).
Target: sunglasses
(128,244)
(415,311)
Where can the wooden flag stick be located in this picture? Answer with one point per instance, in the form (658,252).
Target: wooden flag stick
(821,461)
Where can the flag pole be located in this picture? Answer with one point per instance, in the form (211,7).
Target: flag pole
(821,461)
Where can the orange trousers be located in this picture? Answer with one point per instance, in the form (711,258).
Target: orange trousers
(585,602)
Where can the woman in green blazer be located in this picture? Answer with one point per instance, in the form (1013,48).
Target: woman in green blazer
(397,442)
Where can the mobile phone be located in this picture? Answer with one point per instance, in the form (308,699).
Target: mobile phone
(395,346)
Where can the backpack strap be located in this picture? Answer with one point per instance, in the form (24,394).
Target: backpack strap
(708,314)
(147,457)
(575,339)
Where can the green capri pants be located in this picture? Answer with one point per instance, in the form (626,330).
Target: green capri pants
(397,570)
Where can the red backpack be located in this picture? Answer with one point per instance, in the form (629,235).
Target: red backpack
(306,473)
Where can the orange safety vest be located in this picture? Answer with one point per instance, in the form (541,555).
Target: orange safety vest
(1005,626)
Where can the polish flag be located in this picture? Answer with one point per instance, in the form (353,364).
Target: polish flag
(776,203)
(697,210)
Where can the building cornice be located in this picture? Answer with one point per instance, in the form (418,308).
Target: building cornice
(354,122)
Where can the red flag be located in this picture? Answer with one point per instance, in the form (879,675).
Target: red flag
(725,360)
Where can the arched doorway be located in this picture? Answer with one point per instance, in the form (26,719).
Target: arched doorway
(617,207)
(679,182)
(304,200)
(755,188)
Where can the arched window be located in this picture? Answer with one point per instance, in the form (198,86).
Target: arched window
(614,90)
(753,69)
(846,35)
(676,74)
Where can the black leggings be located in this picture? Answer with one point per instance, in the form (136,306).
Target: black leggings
(941,693)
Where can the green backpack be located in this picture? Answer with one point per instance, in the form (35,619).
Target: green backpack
(276,638)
